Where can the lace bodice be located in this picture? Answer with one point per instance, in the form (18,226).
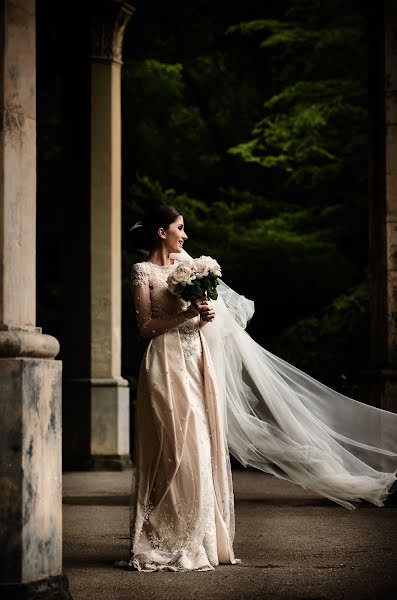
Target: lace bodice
(162,302)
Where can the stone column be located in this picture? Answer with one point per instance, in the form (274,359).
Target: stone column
(380,382)
(108,417)
(30,378)
(110,435)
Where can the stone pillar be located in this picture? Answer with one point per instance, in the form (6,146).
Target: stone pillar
(30,378)
(106,422)
(380,382)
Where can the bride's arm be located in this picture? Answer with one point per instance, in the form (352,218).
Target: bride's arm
(149,326)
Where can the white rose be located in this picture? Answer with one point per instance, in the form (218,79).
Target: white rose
(183,274)
(208,264)
(200,267)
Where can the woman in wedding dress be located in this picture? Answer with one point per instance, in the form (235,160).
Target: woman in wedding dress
(183,516)
(205,389)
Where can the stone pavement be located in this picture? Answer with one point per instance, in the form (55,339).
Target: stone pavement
(293,544)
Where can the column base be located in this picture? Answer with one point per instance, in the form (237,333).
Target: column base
(50,588)
(96,425)
(31,474)
(112,463)
(379,388)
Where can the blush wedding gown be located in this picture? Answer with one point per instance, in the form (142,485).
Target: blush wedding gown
(206,391)
(183,509)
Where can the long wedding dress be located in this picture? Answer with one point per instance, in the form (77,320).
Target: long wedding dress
(183,509)
(205,392)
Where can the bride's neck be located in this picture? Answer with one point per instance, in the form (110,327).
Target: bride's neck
(160,256)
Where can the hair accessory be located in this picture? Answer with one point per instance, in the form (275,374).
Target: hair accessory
(137,224)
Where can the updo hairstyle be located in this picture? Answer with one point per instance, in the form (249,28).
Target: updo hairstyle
(144,238)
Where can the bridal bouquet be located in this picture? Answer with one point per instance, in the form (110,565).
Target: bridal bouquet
(194,278)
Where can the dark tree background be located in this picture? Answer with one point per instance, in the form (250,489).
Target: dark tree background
(250,118)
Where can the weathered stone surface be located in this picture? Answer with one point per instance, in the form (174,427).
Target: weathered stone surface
(30,388)
(107,29)
(30,479)
(105,221)
(110,418)
(91,336)
(18,162)
(98,434)
(97,420)
(22,343)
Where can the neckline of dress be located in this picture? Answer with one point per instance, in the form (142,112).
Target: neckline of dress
(160,266)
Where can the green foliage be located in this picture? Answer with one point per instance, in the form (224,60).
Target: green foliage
(252,122)
(251,119)
(313,129)
(169,129)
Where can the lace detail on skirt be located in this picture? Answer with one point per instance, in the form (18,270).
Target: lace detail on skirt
(190,338)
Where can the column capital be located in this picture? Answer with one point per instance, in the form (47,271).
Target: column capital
(109,19)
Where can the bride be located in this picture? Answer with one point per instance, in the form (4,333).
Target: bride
(205,389)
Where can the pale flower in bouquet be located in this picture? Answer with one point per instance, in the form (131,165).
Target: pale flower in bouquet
(194,278)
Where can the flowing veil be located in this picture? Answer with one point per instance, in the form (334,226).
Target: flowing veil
(282,421)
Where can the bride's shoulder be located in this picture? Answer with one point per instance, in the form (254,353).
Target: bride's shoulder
(140,273)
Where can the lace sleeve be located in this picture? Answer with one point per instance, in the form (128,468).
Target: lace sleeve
(142,300)
(140,275)
(147,325)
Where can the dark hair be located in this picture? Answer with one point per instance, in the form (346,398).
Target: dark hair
(144,238)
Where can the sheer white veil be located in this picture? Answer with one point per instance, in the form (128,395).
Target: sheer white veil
(282,421)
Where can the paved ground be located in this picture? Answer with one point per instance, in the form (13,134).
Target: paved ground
(293,545)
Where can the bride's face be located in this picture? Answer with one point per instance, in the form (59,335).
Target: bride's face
(174,236)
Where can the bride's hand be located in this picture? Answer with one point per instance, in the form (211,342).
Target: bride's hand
(200,306)
(197,305)
(207,313)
